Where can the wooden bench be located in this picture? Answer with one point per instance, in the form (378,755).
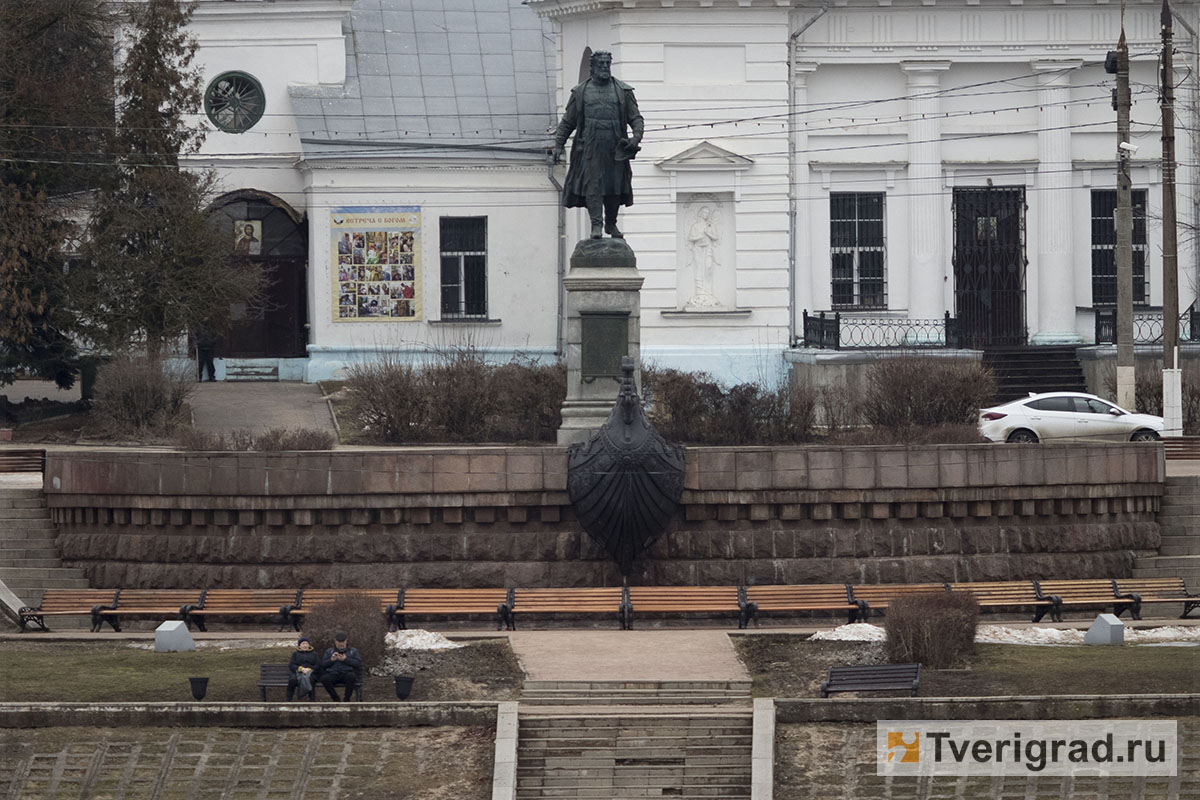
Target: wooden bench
(1181,448)
(242,603)
(801,597)
(311,598)
(278,675)
(878,678)
(1088,592)
(1157,590)
(12,460)
(1005,594)
(455,602)
(65,602)
(145,603)
(574,601)
(687,600)
(877,597)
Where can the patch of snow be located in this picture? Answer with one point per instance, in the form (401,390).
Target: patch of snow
(418,640)
(222,645)
(854,632)
(1004,634)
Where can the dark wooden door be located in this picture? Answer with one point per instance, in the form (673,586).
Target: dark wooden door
(276,328)
(989,265)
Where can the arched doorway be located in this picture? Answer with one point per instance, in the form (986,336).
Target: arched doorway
(269,231)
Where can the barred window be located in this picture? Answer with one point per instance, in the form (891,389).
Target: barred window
(1104,247)
(858,248)
(464,266)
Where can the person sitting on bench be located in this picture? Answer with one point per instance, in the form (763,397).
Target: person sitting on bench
(340,665)
(302,668)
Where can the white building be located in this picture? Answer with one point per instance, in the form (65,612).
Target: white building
(888,160)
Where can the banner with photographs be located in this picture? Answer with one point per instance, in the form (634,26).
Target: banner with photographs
(376,258)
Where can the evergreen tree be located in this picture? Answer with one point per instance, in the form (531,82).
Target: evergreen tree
(157,264)
(56,113)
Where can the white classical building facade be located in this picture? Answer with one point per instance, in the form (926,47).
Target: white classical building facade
(890,161)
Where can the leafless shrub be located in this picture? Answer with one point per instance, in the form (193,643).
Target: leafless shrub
(920,392)
(137,396)
(693,407)
(243,440)
(356,613)
(934,434)
(457,397)
(935,629)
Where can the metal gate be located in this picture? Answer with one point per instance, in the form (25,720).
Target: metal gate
(989,265)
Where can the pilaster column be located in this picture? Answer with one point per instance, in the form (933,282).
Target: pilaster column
(812,274)
(928,263)
(1054,270)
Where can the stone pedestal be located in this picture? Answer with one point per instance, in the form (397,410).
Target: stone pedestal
(1107,629)
(172,637)
(603,324)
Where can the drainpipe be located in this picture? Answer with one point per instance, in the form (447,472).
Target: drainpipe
(1194,101)
(562,255)
(793,201)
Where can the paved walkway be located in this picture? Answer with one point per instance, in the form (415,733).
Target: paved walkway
(591,655)
(259,406)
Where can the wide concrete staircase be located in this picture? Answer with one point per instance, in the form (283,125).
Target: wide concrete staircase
(625,740)
(1179,521)
(29,562)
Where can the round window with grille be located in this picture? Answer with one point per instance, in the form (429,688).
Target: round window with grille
(234,101)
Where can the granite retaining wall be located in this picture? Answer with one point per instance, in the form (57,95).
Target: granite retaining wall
(492,516)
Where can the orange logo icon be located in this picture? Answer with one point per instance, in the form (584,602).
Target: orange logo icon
(909,752)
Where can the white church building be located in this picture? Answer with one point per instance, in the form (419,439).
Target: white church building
(895,162)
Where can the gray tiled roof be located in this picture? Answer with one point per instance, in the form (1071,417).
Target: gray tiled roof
(468,76)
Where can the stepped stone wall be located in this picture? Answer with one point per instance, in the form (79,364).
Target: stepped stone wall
(492,516)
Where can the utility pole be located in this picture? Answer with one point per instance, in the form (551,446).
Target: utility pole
(1172,376)
(1123,221)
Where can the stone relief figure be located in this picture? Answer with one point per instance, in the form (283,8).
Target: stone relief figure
(703,240)
(603,114)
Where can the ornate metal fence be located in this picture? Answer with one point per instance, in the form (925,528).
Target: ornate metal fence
(1147,327)
(835,332)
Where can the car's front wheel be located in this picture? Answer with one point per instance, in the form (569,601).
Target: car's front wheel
(1022,436)
(1144,436)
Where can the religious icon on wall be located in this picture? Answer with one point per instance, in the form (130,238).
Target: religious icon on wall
(247,237)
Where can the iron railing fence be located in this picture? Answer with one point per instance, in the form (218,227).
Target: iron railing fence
(1147,326)
(832,331)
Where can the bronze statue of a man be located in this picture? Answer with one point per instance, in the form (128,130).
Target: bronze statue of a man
(603,114)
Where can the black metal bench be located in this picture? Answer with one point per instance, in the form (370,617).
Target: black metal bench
(875,678)
(277,675)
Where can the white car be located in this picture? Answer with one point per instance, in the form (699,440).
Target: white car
(1066,417)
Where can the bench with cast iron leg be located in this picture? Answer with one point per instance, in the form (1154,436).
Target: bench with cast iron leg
(876,678)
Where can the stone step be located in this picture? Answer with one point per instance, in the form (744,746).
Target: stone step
(608,699)
(1180,546)
(21,494)
(608,793)
(622,780)
(14,574)
(30,563)
(10,514)
(676,685)
(721,761)
(1190,577)
(600,746)
(29,550)
(1179,529)
(14,528)
(21,502)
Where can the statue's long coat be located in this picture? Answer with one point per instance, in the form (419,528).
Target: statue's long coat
(630,118)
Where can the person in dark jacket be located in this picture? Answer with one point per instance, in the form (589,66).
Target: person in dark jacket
(341,665)
(304,663)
